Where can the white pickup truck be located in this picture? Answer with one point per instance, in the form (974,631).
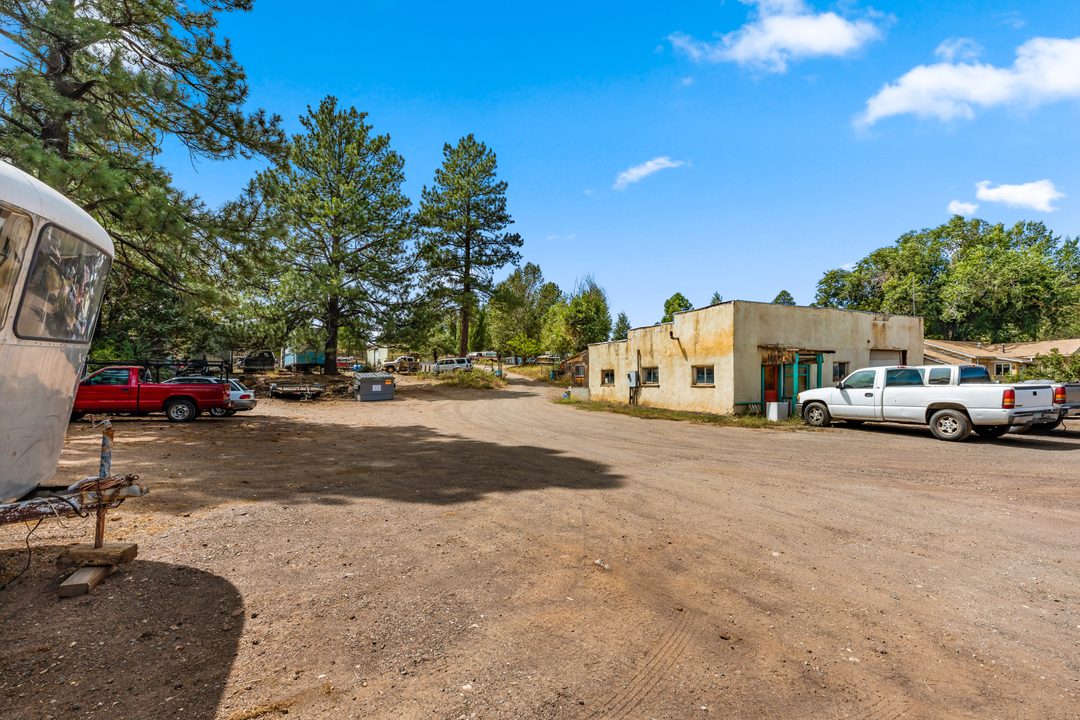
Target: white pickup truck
(952,399)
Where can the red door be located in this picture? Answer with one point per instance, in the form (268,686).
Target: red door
(768,379)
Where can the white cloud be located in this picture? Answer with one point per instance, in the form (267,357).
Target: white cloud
(784,30)
(962,208)
(1046,69)
(686,81)
(953,48)
(643,170)
(1034,195)
(1012,19)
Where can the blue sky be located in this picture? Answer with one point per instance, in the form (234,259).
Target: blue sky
(759,144)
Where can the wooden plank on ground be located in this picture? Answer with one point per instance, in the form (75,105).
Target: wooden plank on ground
(84,580)
(108,554)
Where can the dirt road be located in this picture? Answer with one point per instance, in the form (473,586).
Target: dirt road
(493,555)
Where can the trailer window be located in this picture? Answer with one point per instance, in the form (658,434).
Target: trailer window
(14,234)
(63,289)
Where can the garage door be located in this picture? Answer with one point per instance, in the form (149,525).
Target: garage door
(884,357)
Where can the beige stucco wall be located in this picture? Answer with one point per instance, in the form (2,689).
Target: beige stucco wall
(728,336)
(851,334)
(702,337)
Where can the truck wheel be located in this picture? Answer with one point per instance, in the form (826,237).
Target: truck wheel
(220,412)
(951,425)
(817,415)
(181,411)
(991,431)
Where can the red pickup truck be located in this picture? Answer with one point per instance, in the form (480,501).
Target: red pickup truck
(132,390)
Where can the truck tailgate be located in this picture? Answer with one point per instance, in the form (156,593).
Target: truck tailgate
(1038,396)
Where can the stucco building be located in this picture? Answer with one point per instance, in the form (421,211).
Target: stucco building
(725,358)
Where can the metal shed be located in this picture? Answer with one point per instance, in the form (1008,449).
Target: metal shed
(373,386)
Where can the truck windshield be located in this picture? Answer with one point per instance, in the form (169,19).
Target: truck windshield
(14,234)
(63,289)
(973,374)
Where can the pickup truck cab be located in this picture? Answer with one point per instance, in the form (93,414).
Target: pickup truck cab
(952,399)
(132,390)
(404,364)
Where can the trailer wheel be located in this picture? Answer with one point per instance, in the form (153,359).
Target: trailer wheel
(950,425)
(817,415)
(181,410)
(991,431)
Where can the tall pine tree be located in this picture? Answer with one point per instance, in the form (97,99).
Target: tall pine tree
(463,217)
(345,254)
(96,90)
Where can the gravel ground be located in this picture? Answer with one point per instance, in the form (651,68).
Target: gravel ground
(488,554)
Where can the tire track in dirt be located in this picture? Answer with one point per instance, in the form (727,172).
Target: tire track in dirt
(886,708)
(669,648)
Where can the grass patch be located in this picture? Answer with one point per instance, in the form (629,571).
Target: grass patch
(652,413)
(470,379)
(539,373)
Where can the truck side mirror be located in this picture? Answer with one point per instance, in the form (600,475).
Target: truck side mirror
(840,385)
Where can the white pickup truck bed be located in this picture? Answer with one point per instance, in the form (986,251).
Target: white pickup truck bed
(952,399)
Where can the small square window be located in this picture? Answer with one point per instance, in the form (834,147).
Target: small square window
(703,375)
(652,376)
(1002,368)
(839,371)
(579,371)
(607,377)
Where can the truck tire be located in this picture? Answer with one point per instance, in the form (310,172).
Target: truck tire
(991,431)
(181,410)
(950,425)
(816,414)
(221,412)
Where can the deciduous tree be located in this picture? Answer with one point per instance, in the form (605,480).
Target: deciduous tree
(675,303)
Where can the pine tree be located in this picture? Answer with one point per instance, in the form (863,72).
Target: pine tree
(622,327)
(675,303)
(783,298)
(463,216)
(717,298)
(347,225)
(97,89)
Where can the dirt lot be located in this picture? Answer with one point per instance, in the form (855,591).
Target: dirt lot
(460,554)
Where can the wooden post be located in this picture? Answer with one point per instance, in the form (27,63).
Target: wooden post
(84,580)
(99,529)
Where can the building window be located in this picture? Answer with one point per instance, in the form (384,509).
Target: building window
(703,375)
(579,371)
(607,377)
(839,371)
(1002,368)
(652,376)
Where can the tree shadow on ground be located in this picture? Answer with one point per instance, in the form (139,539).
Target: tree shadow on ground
(291,460)
(153,640)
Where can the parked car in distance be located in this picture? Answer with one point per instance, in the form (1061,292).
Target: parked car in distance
(258,360)
(131,389)
(404,364)
(242,397)
(1066,400)
(952,399)
(449,364)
